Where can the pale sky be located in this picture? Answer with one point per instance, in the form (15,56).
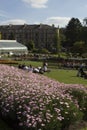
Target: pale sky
(57,12)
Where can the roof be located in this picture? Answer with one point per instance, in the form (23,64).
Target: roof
(11,45)
(26,26)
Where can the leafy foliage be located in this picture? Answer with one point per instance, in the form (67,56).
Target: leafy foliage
(79,47)
(30,45)
(73,31)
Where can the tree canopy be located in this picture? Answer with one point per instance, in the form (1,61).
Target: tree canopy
(73,31)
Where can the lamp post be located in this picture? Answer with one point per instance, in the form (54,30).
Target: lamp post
(0,36)
(58,41)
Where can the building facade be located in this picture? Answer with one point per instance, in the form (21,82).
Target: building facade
(42,35)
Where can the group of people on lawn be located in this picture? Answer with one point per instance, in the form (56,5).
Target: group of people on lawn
(44,68)
(41,70)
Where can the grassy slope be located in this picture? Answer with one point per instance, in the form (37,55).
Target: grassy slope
(84,128)
(66,76)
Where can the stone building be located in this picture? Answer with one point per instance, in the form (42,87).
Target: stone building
(42,35)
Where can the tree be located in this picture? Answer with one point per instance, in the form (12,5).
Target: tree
(30,45)
(85,21)
(84,34)
(84,30)
(79,47)
(73,31)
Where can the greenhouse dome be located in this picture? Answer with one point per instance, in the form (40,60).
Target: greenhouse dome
(12,47)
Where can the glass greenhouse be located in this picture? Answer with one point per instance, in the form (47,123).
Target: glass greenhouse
(12,47)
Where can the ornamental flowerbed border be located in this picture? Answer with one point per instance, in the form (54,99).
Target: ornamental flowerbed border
(8,62)
(34,102)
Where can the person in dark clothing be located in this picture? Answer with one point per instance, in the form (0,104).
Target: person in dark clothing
(81,72)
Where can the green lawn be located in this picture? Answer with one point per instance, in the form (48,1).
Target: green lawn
(33,63)
(62,75)
(66,76)
(84,128)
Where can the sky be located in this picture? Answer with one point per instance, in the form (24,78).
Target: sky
(57,12)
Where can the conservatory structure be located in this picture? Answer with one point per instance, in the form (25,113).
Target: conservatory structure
(12,47)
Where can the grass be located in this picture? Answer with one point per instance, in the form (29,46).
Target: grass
(33,63)
(84,128)
(66,76)
(62,75)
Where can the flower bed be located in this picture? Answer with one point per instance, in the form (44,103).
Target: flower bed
(8,62)
(36,102)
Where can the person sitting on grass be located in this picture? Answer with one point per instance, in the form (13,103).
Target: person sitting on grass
(44,68)
(30,68)
(38,70)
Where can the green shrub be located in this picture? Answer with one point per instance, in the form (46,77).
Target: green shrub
(81,97)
